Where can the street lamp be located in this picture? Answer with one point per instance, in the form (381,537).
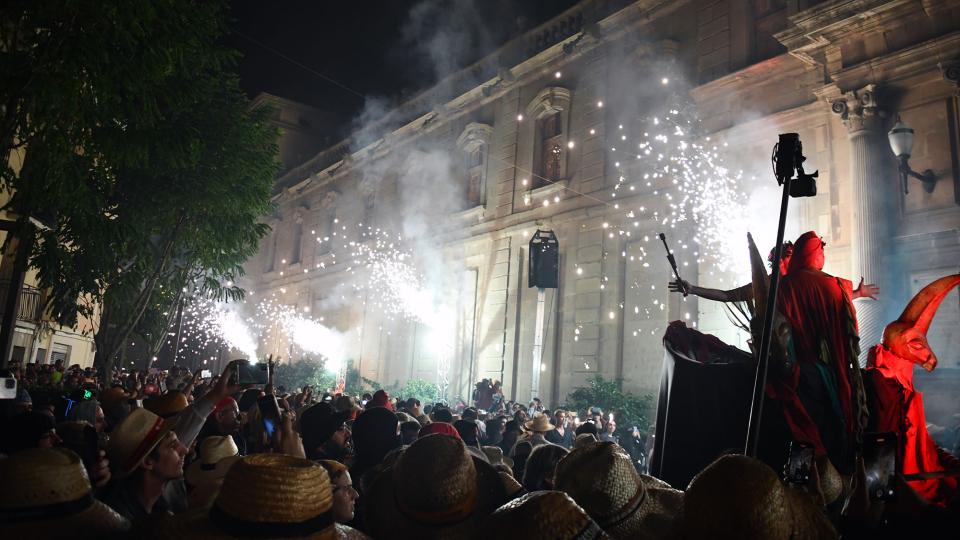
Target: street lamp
(901,142)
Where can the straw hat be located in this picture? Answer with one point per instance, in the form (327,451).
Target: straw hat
(134,438)
(167,405)
(435,489)
(584,439)
(265,496)
(47,494)
(602,479)
(547,515)
(754,504)
(831,484)
(510,484)
(113,396)
(539,424)
(205,475)
(495,455)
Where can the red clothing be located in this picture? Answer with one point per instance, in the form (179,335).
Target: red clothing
(825,346)
(897,407)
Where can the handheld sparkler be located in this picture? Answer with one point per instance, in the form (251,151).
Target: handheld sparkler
(673,264)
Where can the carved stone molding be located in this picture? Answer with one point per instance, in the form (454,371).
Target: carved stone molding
(951,74)
(550,100)
(329,199)
(474,134)
(859,109)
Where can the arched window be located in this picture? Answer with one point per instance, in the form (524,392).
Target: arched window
(474,144)
(550,113)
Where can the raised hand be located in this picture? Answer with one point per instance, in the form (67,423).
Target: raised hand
(868,290)
(680,286)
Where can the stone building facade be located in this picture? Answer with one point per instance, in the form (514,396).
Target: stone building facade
(529,136)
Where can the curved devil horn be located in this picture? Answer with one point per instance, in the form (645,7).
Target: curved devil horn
(921,309)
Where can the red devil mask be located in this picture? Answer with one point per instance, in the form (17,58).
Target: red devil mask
(907,336)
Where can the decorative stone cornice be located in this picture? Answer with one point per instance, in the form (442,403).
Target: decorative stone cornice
(858,109)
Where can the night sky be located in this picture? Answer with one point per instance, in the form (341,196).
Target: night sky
(387,49)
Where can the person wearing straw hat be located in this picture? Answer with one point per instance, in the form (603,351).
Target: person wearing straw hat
(47,495)
(541,465)
(146,455)
(602,479)
(738,496)
(435,489)
(544,515)
(538,426)
(265,496)
(205,475)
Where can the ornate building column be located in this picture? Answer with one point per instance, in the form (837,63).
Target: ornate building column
(871,205)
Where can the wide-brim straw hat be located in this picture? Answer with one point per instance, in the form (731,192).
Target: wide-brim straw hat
(601,478)
(47,494)
(134,438)
(265,496)
(205,475)
(167,405)
(435,489)
(546,515)
(540,423)
(741,497)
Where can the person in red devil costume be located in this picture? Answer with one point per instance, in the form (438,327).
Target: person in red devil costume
(820,389)
(895,405)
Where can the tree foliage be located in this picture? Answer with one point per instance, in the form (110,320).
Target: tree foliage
(628,408)
(128,126)
(296,375)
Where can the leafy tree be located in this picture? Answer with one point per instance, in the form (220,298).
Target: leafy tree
(628,408)
(127,124)
(295,375)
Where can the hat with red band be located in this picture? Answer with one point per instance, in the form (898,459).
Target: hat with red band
(134,438)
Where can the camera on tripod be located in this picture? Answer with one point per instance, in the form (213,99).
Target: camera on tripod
(788,159)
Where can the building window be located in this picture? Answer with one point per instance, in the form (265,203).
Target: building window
(474,143)
(550,133)
(271,252)
(60,352)
(547,136)
(475,175)
(41,355)
(326,241)
(369,203)
(297,241)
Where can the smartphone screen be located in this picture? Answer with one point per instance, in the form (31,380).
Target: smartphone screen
(269,426)
(269,412)
(799,463)
(248,373)
(880,462)
(205,374)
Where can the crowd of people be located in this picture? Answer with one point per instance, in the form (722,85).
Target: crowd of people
(169,454)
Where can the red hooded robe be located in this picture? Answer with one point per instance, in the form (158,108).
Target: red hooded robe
(819,309)
(897,407)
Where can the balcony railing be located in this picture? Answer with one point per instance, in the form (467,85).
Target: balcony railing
(30,305)
(31,302)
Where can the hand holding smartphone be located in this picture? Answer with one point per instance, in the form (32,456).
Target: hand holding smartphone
(799,463)
(881,464)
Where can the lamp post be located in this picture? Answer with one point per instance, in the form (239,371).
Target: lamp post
(901,142)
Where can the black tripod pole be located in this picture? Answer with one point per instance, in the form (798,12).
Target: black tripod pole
(763,360)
